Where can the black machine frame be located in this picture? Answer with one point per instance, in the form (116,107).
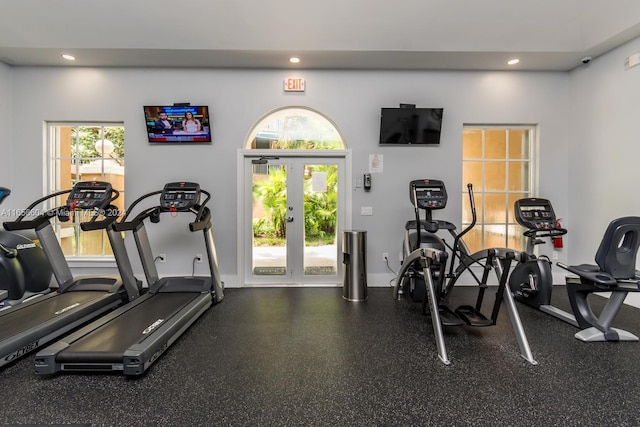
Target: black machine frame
(148,326)
(77,300)
(425,258)
(532,283)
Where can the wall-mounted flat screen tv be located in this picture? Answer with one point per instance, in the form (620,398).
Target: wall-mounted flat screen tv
(178,124)
(410,126)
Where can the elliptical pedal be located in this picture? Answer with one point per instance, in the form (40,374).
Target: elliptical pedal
(473,317)
(448,317)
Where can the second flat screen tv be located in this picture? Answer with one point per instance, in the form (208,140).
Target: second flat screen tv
(178,124)
(410,126)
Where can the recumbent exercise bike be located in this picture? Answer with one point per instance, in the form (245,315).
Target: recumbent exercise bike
(532,283)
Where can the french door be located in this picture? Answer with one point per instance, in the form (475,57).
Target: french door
(294,211)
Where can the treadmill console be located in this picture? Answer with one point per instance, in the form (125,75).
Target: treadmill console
(428,194)
(89,195)
(180,196)
(535,213)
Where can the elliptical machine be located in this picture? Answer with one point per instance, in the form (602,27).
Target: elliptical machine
(24,270)
(423,272)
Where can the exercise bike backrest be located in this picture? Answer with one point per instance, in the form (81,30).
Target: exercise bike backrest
(618,249)
(539,219)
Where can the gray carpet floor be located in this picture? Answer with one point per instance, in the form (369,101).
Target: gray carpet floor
(304,356)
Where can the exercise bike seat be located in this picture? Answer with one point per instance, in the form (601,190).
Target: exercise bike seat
(597,278)
(615,257)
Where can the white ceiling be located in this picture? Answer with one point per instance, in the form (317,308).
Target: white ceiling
(329,34)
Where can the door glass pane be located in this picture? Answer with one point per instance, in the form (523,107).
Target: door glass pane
(295,128)
(269,212)
(320,215)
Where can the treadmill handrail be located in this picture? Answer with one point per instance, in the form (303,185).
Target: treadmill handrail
(20,224)
(62,212)
(110,214)
(202,213)
(124,225)
(136,202)
(202,206)
(203,223)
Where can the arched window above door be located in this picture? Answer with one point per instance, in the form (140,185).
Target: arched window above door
(295,128)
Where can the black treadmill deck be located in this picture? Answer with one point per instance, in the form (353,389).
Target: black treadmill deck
(50,311)
(108,343)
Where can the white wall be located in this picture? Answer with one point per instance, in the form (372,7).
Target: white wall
(604,148)
(237,98)
(5,135)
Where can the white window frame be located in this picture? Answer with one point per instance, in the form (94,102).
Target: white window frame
(52,184)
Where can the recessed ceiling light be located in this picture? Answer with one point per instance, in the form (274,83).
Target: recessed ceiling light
(294,60)
(513,61)
(68,57)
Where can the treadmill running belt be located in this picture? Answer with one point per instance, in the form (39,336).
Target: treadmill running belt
(108,343)
(60,306)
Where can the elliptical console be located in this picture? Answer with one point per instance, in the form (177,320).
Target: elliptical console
(428,194)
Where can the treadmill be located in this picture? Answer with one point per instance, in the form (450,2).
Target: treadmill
(4,192)
(77,300)
(130,339)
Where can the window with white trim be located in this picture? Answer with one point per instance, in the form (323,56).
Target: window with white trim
(84,152)
(498,161)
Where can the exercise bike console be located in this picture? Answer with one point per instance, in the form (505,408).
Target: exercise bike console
(535,213)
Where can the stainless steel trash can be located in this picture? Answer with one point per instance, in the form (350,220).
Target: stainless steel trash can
(354,258)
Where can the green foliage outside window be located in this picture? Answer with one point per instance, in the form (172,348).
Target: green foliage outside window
(85,138)
(320,208)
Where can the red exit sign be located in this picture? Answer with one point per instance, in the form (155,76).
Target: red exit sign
(294,85)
